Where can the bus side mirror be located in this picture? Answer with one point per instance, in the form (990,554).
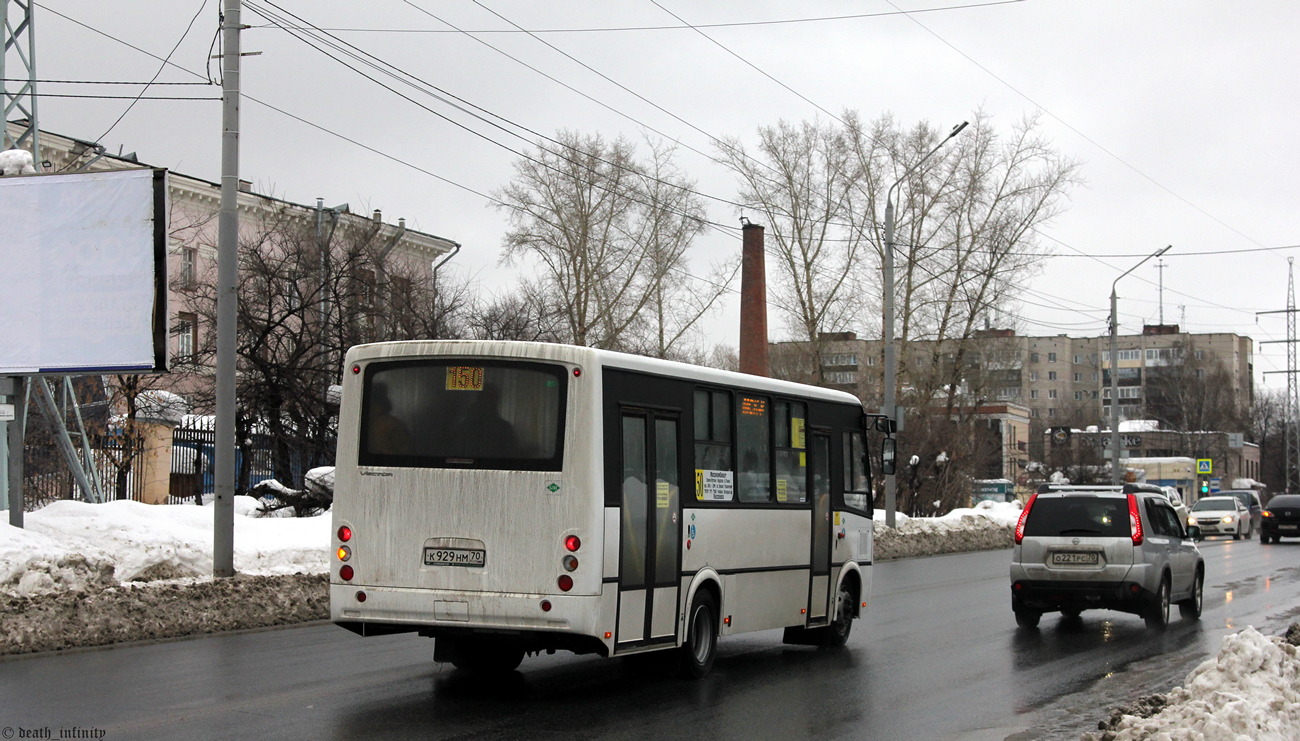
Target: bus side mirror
(888,456)
(886,425)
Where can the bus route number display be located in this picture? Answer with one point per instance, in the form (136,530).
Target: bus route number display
(464,378)
(753,407)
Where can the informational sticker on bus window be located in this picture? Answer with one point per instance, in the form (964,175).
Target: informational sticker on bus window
(782,490)
(663,494)
(714,486)
(464,378)
(797,433)
(753,407)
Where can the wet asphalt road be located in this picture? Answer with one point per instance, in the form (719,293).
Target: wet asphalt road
(938,657)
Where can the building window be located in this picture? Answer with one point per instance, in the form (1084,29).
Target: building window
(1033,375)
(1078,359)
(1051,375)
(1051,393)
(1033,357)
(1051,357)
(189,255)
(1051,411)
(871,360)
(1078,395)
(187,334)
(1078,377)
(1200,373)
(1033,393)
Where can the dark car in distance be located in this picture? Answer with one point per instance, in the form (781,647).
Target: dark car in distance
(1281,518)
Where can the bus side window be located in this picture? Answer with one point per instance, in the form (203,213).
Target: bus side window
(753,441)
(791,455)
(857,482)
(713,438)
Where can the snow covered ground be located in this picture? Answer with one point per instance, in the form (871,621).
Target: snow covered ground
(82,574)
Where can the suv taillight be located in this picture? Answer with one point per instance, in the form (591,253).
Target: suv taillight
(1134,522)
(1020,524)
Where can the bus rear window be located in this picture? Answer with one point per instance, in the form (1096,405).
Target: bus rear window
(465,413)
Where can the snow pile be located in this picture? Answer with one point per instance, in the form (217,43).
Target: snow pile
(1251,690)
(71,545)
(986,526)
(16,162)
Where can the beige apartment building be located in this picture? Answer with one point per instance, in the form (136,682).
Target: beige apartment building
(1061,381)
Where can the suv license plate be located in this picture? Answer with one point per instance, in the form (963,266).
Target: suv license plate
(1070,559)
(454,557)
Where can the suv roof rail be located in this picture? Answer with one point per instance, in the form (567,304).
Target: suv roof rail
(1125,489)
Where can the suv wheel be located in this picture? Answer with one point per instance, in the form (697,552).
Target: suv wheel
(1157,616)
(1190,608)
(1028,618)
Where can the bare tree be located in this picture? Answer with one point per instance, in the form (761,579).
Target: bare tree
(608,234)
(302,302)
(801,181)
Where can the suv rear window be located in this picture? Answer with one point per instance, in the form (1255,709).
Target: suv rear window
(1088,516)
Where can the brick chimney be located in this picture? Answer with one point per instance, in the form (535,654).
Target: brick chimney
(753,302)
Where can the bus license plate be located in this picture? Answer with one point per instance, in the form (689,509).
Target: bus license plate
(1072,559)
(454,557)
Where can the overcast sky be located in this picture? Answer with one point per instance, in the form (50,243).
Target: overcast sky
(1179,111)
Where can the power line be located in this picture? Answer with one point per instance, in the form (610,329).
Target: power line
(161,67)
(735,24)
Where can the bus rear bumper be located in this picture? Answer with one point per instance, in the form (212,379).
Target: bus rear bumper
(435,612)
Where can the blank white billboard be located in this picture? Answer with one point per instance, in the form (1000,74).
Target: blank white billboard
(83,272)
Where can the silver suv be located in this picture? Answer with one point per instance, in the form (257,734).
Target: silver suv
(1110,547)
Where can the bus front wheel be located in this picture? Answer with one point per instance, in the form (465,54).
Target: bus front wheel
(837,633)
(701,644)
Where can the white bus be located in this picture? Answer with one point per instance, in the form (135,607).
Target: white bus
(509,497)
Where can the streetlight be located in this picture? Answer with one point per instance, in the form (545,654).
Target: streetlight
(890,403)
(1114,369)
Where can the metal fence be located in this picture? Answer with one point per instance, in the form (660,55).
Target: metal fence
(46,477)
(194,456)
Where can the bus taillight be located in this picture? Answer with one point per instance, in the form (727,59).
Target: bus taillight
(565,582)
(572,543)
(570,563)
(345,573)
(345,533)
(344,553)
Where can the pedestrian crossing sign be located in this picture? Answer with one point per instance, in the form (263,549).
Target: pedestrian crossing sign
(1204,465)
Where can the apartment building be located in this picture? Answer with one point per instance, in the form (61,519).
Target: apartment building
(1062,381)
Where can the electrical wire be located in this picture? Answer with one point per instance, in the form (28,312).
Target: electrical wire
(161,67)
(734,24)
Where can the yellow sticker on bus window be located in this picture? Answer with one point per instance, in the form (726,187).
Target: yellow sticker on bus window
(782,489)
(699,485)
(796,433)
(464,378)
(662,494)
(803,459)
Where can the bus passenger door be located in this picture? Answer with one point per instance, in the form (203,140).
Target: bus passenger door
(650,529)
(820,589)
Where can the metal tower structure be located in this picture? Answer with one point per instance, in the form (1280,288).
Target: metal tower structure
(1292,404)
(1291,424)
(20,38)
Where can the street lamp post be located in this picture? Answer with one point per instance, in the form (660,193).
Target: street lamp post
(890,402)
(1115,477)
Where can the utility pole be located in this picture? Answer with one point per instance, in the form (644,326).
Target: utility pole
(889,406)
(223,520)
(20,35)
(1292,421)
(1161,267)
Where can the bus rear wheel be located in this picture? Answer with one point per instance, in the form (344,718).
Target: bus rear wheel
(701,644)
